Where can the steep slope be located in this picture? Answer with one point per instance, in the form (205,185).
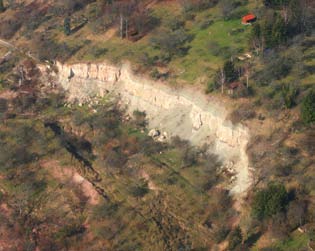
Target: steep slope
(184,113)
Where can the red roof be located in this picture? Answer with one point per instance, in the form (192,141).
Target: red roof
(248,18)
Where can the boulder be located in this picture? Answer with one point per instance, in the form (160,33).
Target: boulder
(154,133)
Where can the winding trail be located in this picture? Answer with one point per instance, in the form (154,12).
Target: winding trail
(12,47)
(7,44)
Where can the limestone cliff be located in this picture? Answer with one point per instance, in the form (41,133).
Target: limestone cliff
(186,113)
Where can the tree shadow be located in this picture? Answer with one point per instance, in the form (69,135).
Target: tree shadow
(252,239)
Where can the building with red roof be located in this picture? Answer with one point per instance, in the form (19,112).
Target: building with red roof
(248,19)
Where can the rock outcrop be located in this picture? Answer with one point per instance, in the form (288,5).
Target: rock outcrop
(185,113)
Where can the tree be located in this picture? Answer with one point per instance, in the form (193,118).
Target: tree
(270,201)
(229,71)
(289,93)
(308,108)
(279,31)
(1,6)
(235,238)
(256,37)
(225,74)
(67,26)
(171,42)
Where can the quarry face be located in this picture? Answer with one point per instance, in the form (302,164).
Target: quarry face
(185,113)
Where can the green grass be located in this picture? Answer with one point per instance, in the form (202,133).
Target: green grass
(297,241)
(210,47)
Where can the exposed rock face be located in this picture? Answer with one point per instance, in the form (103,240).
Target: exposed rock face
(185,113)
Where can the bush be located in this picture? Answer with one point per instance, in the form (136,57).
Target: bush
(243,112)
(105,210)
(190,157)
(140,118)
(289,93)
(211,86)
(150,147)
(139,190)
(308,108)
(115,159)
(97,52)
(235,238)
(171,42)
(269,201)
(277,67)
(9,27)
(220,234)
(60,51)
(174,23)
(205,24)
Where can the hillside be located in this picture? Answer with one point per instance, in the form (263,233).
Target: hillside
(157,125)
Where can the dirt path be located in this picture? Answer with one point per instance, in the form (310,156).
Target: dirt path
(7,44)
(11,47)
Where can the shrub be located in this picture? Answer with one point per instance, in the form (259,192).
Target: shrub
(171,42)
(9,27)
(104,210)
(205,24)
(289,93)
(174,23)
(139,190)
(235,238)
(243,112)
(308,108)
(97,52)
(270,201)
(115,159)
(149,147)
(155,74)
(277,67)
(140,118)
(211,86)
(229,71)
(146,60)
(190,157)
(67,26)
(60,51)
(70,230)
(221,233)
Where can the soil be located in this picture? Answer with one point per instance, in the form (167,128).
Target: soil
(69,174)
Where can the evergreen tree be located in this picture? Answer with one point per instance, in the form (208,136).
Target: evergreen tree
(256,38)
(308,108)
(270,201)
(229,71)
(266,32)
(67,26)
(235,238)
(279,31)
